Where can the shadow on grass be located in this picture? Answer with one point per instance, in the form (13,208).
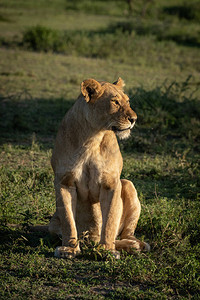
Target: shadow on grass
(168,118)
(21,116)
(188,10)
(19,240)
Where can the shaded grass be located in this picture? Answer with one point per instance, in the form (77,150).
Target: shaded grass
(23,117)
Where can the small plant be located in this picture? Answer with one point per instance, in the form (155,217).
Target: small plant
(91,250)
(27,217)
(40,38)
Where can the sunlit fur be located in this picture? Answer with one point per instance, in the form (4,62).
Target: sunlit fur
(122,135)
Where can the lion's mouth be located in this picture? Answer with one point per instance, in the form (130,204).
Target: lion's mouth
(115,129)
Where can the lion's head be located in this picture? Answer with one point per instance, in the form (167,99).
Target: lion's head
(108,107)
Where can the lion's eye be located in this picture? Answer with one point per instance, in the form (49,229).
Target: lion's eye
(116,102)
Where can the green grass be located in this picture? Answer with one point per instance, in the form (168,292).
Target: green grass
(157,54)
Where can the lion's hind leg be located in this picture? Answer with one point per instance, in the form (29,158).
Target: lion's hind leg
(129,220)
(129,245)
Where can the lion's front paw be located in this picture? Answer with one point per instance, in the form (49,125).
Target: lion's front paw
(66,252)
(113,252)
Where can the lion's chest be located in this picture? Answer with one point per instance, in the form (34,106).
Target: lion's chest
(89,181)
(98,161)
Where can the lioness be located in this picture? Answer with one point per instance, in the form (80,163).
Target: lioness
(87,164)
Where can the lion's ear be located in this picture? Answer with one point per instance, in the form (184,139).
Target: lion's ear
(120,83)
(91,89)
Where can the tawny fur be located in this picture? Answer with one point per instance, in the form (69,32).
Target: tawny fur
(87,164)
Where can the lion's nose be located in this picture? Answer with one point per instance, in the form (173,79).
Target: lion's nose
(132,120)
